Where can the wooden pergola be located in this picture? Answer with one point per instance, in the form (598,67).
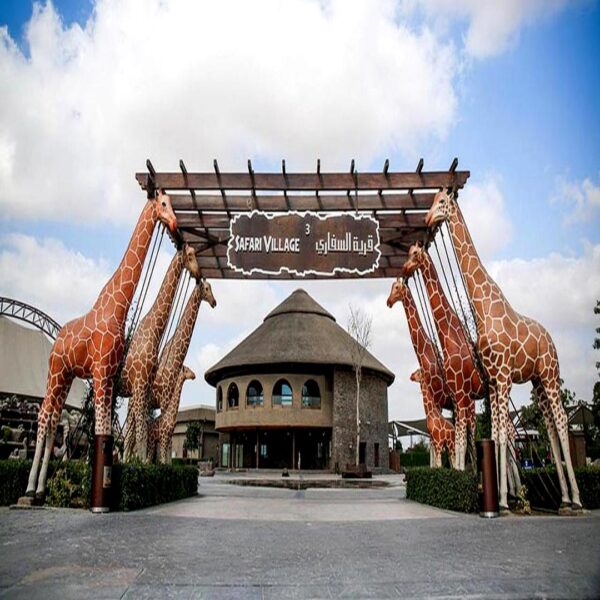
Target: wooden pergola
(204,204)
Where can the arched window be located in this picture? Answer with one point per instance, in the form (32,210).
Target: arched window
(311,395)
(254,394)
(233,396)
(282,393)
(219,399)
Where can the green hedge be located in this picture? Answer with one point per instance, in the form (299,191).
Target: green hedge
(134,485)
(414,459)
(543,489)
(139,486)
(13,480)
(444,488)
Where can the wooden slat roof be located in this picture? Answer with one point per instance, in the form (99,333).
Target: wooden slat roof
(204,204)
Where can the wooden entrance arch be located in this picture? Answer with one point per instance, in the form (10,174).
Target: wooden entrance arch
(205,203)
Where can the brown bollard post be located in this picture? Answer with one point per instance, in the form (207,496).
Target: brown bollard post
(487,484)
(102,473)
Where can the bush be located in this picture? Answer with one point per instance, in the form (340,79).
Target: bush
(69,484)
(543,489)
(444,488)
(13,480)
(134,485)
(138,486)
(414,459)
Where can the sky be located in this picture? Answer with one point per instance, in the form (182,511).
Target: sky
(91,89)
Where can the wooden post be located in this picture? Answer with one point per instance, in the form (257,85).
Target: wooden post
(294,449)
(257,448)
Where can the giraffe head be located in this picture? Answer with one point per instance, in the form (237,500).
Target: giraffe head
(399,291)
(443,207)
(190,262)
(416,259)
(164,211)
(206,292)
(416,376)
(188,373)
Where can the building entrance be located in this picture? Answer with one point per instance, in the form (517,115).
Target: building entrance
(308,448)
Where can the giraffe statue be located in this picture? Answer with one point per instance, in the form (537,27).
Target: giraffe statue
(461,374)
(160,433)
(173,354)
(92,345)
(431,377)
(440,429)
(142,357)
(513,349)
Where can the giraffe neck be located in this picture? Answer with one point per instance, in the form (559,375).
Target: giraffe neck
(446,320)
(158,315)
(121,286)
(183,334)
(480,286)
(421,342)
(173,406)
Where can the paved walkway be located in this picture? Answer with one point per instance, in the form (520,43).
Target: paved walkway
(241,542)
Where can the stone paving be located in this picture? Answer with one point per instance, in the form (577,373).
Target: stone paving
(247,542)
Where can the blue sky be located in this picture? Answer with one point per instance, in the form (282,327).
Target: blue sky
(521,113)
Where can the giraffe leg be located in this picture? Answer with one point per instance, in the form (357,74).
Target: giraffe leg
(437,454)
(58,386)
(503,393)
(460,447)
(103,385)
(129,442)
(552,389)
(544,404)
(140,406)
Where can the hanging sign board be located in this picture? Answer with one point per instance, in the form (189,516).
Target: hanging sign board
(303,243)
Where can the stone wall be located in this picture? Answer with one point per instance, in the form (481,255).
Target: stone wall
(373,416)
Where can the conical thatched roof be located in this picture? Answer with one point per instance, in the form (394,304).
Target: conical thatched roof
(298,331)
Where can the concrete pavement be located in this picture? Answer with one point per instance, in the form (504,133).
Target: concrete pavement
(238,542)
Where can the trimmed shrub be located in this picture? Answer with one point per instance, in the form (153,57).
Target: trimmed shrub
(13,480)
(543,489)
(444,488)
(134,485)
(138,486)
(414,459)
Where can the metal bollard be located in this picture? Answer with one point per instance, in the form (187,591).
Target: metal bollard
(487,485)
(102,473)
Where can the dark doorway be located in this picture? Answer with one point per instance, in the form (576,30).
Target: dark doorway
(362,453)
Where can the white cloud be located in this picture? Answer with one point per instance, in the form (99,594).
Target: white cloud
(48,275)
(492,24)
(169,79)
(484,211)
(581,198)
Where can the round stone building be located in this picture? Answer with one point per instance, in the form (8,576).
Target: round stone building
(286,395)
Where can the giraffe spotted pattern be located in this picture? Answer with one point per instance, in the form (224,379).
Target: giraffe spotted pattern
(173,354)
(92,345)
(513,349)
(430,376)
(141,361)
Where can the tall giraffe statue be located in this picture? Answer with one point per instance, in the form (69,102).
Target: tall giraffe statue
(433,384)
(513,349)
(92,345)
(160,433)
(440,429)
(141,361)
(461,374)
(173,354)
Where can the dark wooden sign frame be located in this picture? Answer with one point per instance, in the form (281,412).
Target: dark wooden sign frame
(205,203)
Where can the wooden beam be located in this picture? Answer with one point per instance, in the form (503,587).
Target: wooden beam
(332,202)
(304,181)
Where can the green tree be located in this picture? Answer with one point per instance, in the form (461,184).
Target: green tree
(194,436)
